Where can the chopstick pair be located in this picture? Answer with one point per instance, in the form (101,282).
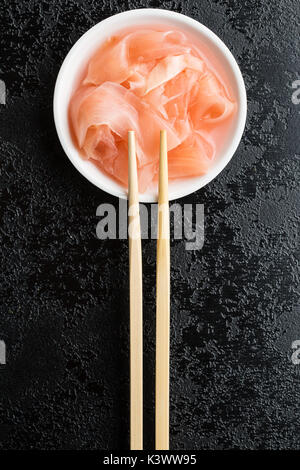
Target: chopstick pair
(162,304)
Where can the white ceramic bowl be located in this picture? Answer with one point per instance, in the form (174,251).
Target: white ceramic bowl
(83,50)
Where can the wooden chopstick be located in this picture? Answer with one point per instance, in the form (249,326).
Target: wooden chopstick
(136,312)
(162,304)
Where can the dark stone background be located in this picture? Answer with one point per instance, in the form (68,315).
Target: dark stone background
(64,293)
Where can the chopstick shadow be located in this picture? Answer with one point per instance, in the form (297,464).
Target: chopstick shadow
(149,282)
(120,312)
(118,285)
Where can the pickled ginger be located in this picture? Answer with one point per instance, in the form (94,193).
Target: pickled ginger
(147,80)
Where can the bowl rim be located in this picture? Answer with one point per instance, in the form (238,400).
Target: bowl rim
(242,112)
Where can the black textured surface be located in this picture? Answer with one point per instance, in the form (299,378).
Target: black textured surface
(235,309)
